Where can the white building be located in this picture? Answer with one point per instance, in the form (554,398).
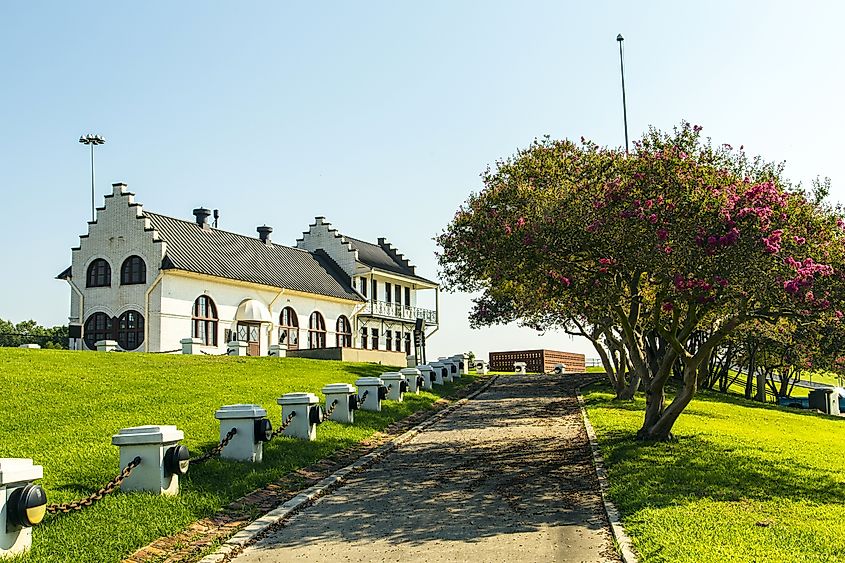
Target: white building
(147,281)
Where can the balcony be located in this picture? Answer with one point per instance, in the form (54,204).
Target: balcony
(397,311)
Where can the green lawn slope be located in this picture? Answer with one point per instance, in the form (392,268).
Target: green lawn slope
(743,482)
(61,408)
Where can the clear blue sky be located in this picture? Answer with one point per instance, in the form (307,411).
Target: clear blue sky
(378,115)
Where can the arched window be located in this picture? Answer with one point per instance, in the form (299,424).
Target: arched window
(133,271)
(344,332)
(316,331)
(97,327)
(99,274)
(289,328)
(130,330)
(205,321)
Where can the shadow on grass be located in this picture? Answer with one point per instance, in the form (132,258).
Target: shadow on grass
(657,475)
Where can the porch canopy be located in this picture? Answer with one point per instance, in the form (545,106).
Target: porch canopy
(253,311)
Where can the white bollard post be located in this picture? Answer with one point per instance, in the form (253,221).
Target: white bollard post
(481,367)
(371,392)
(440,372)
(236,348)
(458,363)
(347,402)
(106,345)
(22,504)
(163,460)
(252,429)
(411,361)
(414,378)
(520,368)
(191,346)
(278,351)
(396,385)
(428,376)
(308,414)
(560,369)
(30,346)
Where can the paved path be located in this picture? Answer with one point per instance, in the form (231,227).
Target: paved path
(505,478)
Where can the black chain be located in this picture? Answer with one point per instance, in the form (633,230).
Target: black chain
(109,488)
(216,450)
(284,425)
(331,409)
(364,396)
(167,351)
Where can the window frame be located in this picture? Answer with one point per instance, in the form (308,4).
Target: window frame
(105,333)
(316,334)
(289,330)
(343,331)
(205,327)
(101,276)
(133,271)
(123,334)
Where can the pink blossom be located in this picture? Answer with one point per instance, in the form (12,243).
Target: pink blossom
(520,222)
(652,218)
(662,234)
(667,306)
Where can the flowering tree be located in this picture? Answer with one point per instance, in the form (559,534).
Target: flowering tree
(640,253)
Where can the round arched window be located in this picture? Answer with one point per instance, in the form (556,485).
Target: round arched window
(344,332)
(130,330)
(133,271)
(316,331)
(205,321)
(289,328)
(99,274)
(97,327)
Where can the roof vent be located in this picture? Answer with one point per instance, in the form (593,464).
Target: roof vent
(202,214)
(264,233)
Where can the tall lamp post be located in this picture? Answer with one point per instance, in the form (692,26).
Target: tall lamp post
(92,141)
(620,40)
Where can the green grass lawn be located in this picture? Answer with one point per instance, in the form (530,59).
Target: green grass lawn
(743,482)
(61,408)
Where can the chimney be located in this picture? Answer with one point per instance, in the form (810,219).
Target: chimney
(264,233)
(202,214)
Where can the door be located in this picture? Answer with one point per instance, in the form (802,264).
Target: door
(248,332)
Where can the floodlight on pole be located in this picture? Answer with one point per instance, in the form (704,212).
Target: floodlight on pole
(620,40)
(92,140)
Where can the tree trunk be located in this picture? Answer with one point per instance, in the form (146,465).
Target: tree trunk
(761,386)
(661,429)
(655,396)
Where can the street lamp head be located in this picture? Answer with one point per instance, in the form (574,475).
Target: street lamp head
(620,38)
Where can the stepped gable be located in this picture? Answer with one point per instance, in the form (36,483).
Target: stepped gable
(383,256)
(215,252)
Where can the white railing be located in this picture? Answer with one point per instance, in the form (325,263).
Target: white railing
(397,311)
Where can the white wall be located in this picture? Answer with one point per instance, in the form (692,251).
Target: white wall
(117,234)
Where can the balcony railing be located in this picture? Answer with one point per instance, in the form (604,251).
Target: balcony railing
(397,311)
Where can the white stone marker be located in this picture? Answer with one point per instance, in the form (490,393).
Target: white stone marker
(520,367)
(30,346)
(278,351)
(428,376)
(439,372)
(463,361)
(347,401)
(411,361)
(396,385)
(481,367)
(458,362)
(560,369)
(156,446)
(15,475)
(236,348)
(191,346)
(308,414)
(414,378)
(372,386)
(451,367)
(106,345)
(248,443)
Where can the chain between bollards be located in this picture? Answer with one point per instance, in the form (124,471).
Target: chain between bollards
(331,408)
(364,396)
(73,506)
(284,425)
(216,450)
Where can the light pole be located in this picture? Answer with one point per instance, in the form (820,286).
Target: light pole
(92,140)
(620,39)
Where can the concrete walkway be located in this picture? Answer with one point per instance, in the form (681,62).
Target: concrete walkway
(507,477)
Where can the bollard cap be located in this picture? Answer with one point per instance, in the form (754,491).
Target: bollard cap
(298,399)
(392,376)
(425,368)
(240,411)
(369,381)
(18,470)
(410,371)
(138,435)
(335,388)
(437,364)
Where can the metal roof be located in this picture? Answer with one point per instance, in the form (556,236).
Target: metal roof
(237,257)
(375,256)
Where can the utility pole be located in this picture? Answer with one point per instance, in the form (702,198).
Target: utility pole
(620,40)
(92,141)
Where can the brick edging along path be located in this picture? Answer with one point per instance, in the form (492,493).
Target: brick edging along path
(297,489)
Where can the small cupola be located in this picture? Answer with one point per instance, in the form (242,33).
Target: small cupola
(202,214)
(264,233)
